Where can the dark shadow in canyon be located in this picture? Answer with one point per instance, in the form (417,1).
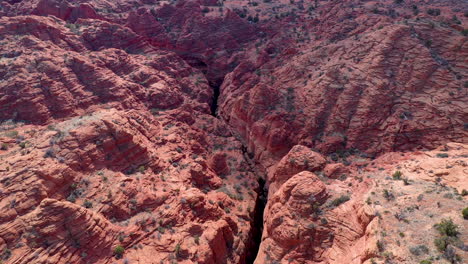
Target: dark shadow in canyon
(214,102)
(215,80)
(257,222)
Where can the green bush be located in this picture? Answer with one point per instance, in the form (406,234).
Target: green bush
(388,195)
(177,250)
(12,134)
(425,262)
(441,243)
(447,228)
(340,200)
(119,250)
(465,213)
(397,175)
(22,144)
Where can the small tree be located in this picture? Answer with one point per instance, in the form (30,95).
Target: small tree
(447,227)
(119,251)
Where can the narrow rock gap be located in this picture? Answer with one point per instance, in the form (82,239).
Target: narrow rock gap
(214,82)
(214,103)
(255,235)
(257,222)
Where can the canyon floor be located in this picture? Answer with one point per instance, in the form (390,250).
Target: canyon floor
(233,131)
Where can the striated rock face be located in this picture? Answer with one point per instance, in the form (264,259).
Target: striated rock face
(72,73)
(55,230)
(383,84)
(116,178)
(212,132)
(204,41)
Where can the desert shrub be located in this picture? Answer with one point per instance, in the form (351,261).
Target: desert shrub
(71,198)
(451,255)
(340,200)
(397,175)
(388,195)
(425,262)
(419,250)
(12,134)
(88,204)
(119,251)
(380,245)
(406,181)
(6,254)
(22,144)
(177,250)
(441,243)
(73,28)
(433,11)
(4,146)
(49,153)
(442,155)
(447,228)
(465,213)
(456,20)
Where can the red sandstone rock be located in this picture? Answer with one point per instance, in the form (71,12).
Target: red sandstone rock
(299,158)
(107,137)
(335,170)
(353,92)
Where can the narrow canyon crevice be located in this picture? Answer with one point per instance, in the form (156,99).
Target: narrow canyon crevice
(255,236)
(214,102)
(257,222)
(214,81)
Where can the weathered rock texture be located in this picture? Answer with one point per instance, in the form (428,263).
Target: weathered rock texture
(375,83)
(141,131)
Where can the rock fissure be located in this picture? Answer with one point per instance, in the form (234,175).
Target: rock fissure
(214,102)
(257,222)
(255,235)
